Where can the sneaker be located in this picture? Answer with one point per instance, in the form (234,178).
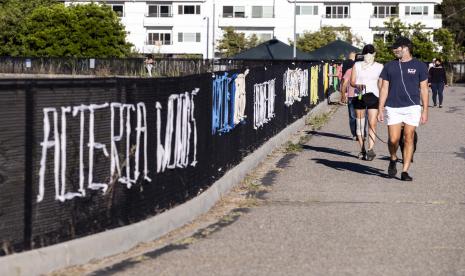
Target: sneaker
(370,155)
(440,106)
(434,105)
(361,155)
(392,170)
(405,177)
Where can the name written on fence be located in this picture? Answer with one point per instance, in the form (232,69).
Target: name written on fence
(177,149)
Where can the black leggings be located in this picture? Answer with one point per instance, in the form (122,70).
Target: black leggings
(437,89)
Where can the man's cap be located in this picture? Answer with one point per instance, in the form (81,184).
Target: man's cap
(401,41)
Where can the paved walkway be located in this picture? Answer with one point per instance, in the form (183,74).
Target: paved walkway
(330,214)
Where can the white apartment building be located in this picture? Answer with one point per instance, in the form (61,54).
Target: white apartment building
(194,26)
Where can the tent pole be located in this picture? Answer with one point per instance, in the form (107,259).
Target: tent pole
(295,35)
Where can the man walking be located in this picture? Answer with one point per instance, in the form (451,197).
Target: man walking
(405,81)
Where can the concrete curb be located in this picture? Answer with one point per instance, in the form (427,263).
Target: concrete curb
(100,245)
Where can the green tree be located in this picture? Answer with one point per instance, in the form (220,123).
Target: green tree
(89,30)
(423,45)
(394,28)
(310,41)
(12,16)
(424,48)
(383,52)
(234,42)
(453,18)
(446,48)
(252,41)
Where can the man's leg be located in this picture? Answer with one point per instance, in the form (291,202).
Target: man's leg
(409,134)
(394,137)
(393,145)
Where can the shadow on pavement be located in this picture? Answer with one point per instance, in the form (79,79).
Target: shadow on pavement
(327,134)
(203,233)
(453,109)
(461,154)
(329,150)
(285,161)
(349,166)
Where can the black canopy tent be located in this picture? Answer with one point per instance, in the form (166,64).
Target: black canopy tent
(273,49)
(336,50)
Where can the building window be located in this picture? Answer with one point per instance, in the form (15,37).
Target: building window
(119,9)
(306,10)
(383,11)
(159,39)
(337,11)
(234,11)
(262,11)
(159,11)
(189,9)
(416,10)
(188,37)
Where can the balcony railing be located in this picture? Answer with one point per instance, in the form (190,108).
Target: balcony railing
(158,42)
(159,14)
(384,15)
(230,15)
(336,16)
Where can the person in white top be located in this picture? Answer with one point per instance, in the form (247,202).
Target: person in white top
(365,77)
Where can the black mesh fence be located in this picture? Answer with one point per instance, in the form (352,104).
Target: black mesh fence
(80,156)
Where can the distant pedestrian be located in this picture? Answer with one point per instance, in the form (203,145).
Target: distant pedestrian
(365,77)
(347,96)
(149,64)
(405,81)
(437,80)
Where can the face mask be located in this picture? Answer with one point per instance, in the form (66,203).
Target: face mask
(369,58)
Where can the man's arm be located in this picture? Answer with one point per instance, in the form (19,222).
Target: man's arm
(383,93)
(424,100)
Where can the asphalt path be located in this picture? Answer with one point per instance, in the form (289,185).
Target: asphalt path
(328,213)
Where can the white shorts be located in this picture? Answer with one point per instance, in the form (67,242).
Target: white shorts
(409,115)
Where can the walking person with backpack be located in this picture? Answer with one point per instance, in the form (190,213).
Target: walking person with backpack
(365,77)
(437,80)
(404,98)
